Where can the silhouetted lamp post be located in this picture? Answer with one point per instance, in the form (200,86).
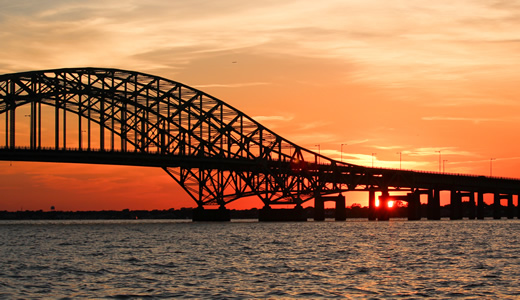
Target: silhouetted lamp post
(341,159)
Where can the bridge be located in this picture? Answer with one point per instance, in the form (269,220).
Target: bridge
(214,151)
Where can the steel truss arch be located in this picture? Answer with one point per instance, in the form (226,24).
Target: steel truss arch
(153,115)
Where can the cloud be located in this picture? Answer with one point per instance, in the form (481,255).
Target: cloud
(464,119)
(272,118)
(229,85)
(430,151)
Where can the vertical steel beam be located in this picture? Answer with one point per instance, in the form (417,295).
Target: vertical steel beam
(31,126)
(102,121)
(112,117)
(64,122)
(39,124)
(7,127)
(80,128)
(57,123)
(12,119)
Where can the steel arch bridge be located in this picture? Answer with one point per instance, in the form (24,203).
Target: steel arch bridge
(215,152)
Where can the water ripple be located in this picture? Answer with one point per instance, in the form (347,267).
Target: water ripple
(352,260)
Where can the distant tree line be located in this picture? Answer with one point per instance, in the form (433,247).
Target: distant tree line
(354,211)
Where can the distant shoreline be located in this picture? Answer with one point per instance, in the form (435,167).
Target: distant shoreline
(126,214)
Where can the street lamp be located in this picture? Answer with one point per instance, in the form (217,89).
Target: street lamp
(491,166)
(341,159)
(400,159)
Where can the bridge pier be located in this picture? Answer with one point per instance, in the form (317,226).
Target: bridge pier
(268,214)
(372,205)
(340,213)
(518,206)
(510,207)
(434,205)
(471,205)
(480,206)
(414,206)
(382,210)
(455,205)
(497,207)
(221,214)
(341,210)
(319,209)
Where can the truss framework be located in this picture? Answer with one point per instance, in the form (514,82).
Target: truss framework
(132,112)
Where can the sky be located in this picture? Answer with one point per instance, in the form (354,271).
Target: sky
(372,82)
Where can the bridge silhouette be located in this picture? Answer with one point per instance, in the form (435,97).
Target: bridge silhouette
(215,152)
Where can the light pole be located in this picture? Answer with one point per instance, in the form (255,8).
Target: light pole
(341,159)
(400,159)
(491,166)
(444,165)
(439,160)
(373,154)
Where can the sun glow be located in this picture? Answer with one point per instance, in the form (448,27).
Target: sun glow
(390,203)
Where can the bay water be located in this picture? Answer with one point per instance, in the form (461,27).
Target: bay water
(356,259)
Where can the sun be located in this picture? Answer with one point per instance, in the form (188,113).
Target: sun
(390,203)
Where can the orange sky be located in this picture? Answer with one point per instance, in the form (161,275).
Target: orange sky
(382,77)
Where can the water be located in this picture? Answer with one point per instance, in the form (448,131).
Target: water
(244,260)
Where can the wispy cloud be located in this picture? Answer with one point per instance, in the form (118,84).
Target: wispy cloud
(273,118)
(229,85)
(466,119)
(430,151)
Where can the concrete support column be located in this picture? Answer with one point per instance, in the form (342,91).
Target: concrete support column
(518,206)
(471,206)
(382,210)
(268,214)
(371,205)
(480,206)
(497,208)
(434,205)
(414,206)
(341,210)
(455,205)
(319,209)
(510,207)
(211,215)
